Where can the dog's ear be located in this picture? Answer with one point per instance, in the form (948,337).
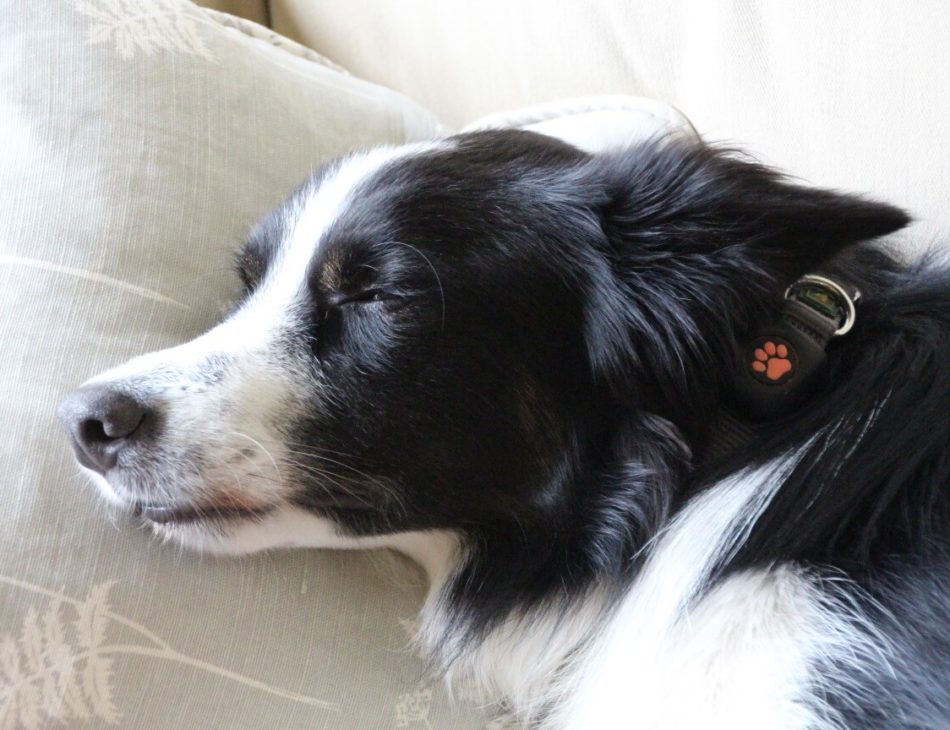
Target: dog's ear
(698,240)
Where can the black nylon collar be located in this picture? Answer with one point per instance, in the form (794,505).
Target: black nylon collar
(776,369)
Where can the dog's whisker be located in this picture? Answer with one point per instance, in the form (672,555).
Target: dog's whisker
(369,477)
(263,448)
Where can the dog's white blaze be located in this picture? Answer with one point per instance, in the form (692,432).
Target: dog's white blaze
(252,328)
(285,282)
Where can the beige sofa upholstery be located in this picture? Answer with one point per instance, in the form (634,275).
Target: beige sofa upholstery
(851,94)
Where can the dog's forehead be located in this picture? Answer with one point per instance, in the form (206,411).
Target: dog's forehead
(442,191)
(425,178)
(319,206)
(296,234)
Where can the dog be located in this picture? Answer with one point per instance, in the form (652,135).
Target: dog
(514,361)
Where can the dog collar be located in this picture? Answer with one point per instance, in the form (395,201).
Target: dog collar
(774,370)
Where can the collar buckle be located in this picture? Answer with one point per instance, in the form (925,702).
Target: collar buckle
(826,297)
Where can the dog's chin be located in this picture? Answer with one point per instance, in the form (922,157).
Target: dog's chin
(207,527)
(194,514)
(200,535)
(240,532)
(212,525)
(236,525)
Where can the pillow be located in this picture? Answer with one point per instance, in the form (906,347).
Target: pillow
(141,139)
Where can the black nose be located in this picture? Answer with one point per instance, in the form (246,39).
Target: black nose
(101,422)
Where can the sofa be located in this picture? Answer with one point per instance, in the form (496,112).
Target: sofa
(849,94)
(144,137)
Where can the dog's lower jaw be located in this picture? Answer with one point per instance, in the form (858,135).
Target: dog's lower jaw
(288,527)
(281,528)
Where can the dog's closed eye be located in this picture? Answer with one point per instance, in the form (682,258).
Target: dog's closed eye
(364,297)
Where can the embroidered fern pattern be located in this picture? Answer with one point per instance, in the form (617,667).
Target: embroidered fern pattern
(413,707)
(59,669)
(55,670)
(134,25)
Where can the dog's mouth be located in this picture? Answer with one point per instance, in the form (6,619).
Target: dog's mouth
(172,514)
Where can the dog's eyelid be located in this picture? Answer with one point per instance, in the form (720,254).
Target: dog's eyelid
(365,296)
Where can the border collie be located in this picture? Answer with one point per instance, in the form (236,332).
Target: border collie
(515,362)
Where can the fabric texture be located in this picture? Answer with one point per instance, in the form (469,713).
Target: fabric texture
(140,140)
(849,94)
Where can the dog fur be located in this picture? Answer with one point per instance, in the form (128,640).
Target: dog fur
(503,357)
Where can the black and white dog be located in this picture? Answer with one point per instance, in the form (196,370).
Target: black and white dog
(507,358)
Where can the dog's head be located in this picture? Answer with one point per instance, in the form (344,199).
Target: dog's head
(458,336)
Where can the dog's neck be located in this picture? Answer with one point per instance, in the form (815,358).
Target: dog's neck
(547,661)
(515,662)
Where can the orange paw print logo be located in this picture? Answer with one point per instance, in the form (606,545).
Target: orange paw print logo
(772,362)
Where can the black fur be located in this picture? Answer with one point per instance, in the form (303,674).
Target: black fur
(905,600)
(527,344)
